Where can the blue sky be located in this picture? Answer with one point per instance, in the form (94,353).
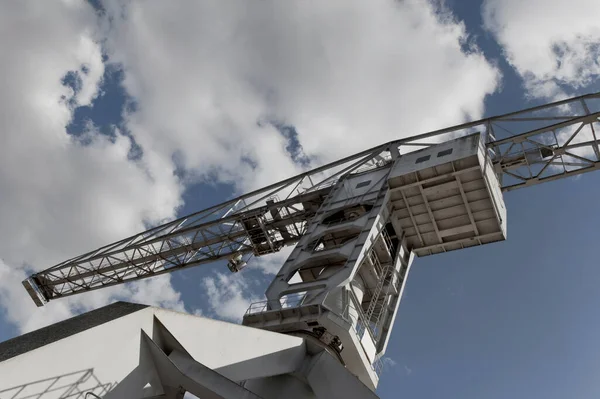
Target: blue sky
(511,319)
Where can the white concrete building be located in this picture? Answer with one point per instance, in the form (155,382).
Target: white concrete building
(127,350)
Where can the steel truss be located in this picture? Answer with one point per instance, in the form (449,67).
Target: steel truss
(527,147)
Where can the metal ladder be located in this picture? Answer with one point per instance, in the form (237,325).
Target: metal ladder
(375,298)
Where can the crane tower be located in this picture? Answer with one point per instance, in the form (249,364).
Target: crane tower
(356,225)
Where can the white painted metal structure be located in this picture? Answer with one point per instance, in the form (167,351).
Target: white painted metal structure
(163,354)
(355,255)
(357,224)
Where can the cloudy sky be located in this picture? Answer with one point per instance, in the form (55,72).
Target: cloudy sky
(116,115)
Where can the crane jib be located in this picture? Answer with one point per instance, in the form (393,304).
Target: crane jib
(523,148)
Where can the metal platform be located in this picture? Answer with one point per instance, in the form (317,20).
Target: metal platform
(447,197)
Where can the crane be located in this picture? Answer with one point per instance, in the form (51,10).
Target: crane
(356,225)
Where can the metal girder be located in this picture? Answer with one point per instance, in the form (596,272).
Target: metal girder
(179,371)
(528,147)
(218,233)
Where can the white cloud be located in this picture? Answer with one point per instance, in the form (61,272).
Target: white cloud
(59,197)
(347,75)
(229,295)
(156,291)
(18,307)
(90,72)
(270,264)
(550,43)
(20,310)
(387,363)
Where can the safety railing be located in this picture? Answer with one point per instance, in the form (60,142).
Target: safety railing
(388,241)
(287,301)
(361,326)
(385,160)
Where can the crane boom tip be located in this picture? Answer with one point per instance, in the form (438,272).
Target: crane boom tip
(33,291)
